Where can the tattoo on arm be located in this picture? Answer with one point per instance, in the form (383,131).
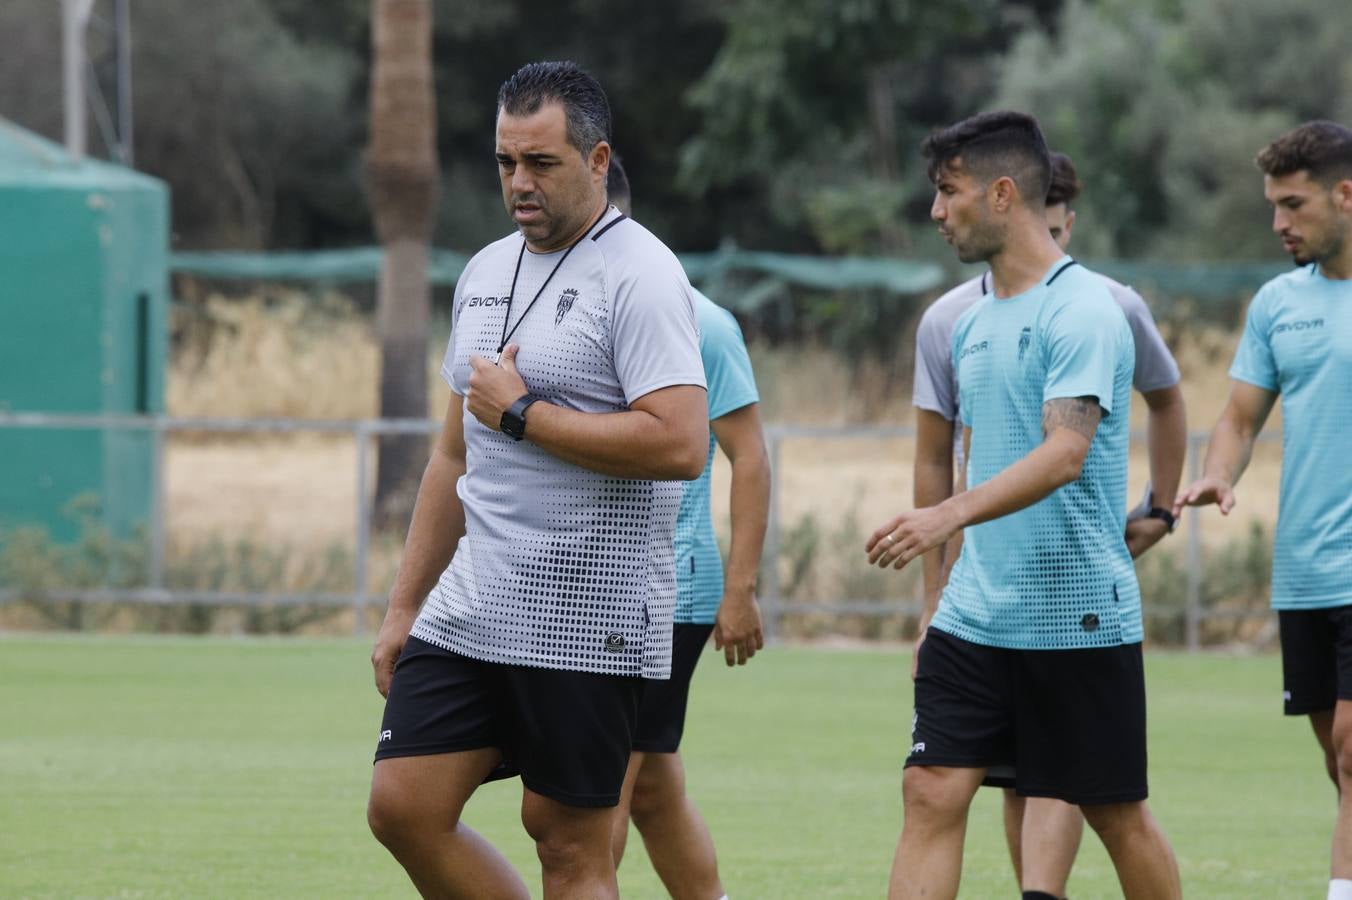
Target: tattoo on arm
(1079,414)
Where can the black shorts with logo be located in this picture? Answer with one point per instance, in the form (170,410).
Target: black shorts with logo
(661,712)
(1071,723)
(1316,658)
(567,734)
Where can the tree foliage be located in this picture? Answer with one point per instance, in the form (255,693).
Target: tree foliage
(785,124)
(1163,106)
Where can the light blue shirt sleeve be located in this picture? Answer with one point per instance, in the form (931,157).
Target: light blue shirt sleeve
(1082,343)
(1254,362)
(727,366)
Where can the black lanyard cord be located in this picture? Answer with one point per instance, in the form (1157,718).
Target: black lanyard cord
(506,335)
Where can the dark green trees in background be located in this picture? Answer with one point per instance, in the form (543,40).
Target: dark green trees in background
(1165,103)
(785,124)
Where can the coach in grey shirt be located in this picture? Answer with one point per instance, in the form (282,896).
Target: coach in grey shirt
(1055,826)
(542,539)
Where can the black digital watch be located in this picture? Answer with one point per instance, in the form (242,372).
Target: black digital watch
(1164,515)
(513,422)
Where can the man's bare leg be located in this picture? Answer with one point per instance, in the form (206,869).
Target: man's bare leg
(1322,723)
(1341,866)
(414,810)
(1012,810)
(573,844)
(674,833)
(1051,838)
(619,838)
(928,861)
(1145,863)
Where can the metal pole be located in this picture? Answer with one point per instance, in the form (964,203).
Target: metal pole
(1192,614)
(770,558)
(363,437)
(74,19)
(122,38)
(155,574)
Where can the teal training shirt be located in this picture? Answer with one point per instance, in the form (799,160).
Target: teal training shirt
(1055,575)
(1298,343)
(727,369)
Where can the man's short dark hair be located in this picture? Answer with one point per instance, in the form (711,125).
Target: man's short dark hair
(617,182)
(584,102)
(994,145)
(1065,181)
(1322,148)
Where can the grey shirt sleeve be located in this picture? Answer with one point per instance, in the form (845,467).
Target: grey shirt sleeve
(935,386)
(1156,368)
(654,329)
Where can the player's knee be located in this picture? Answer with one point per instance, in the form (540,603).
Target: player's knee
(390,821)
(1113,822)
(1342,760)
(932,794)
(563,850)
(654,793)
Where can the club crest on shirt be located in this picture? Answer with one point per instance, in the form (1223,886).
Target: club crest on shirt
(565,303)
(1025,338)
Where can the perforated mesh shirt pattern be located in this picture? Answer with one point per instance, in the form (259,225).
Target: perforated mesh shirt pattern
(561,567)
(1057,574)
(1297,342)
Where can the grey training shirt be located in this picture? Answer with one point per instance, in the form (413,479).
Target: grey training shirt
(561,567)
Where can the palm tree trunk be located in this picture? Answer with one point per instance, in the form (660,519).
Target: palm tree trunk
(403,180)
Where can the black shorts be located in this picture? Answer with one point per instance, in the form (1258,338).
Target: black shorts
(1070,722)
(567,734)
(661,712)
(1316,658)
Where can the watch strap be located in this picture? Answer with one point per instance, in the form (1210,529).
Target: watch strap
(1164,515)
(514,419)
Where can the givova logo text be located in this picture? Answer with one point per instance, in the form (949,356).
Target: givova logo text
(1302,325)
(974,348)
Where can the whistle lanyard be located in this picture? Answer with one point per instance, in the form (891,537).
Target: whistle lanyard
(506,335)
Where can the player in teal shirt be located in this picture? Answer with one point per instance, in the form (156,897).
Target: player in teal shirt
(1297,345)
(1021,581)
(1034,656)
(674,833)
(732,386)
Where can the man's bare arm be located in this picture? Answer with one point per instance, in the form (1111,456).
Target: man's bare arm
(953,549)
(1166,442)
(1166,445)
(438,524)
(933,484)
(662,436)
(1230,449)
(737,628)
(1068,427)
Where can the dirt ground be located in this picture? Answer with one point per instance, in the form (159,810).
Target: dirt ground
(301,489)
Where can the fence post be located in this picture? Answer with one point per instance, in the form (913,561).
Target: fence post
(1192,612)
(359,552)
(770,554)
(155,573)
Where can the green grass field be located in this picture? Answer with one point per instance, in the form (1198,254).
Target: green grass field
(149,767)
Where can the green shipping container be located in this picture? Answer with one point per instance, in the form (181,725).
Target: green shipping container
(83,329)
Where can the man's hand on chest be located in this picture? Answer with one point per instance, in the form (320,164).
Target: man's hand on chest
(494,387)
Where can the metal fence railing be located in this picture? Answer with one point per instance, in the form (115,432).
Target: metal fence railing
(774,604)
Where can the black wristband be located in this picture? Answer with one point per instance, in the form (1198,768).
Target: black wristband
(513,422)
(1164,515)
